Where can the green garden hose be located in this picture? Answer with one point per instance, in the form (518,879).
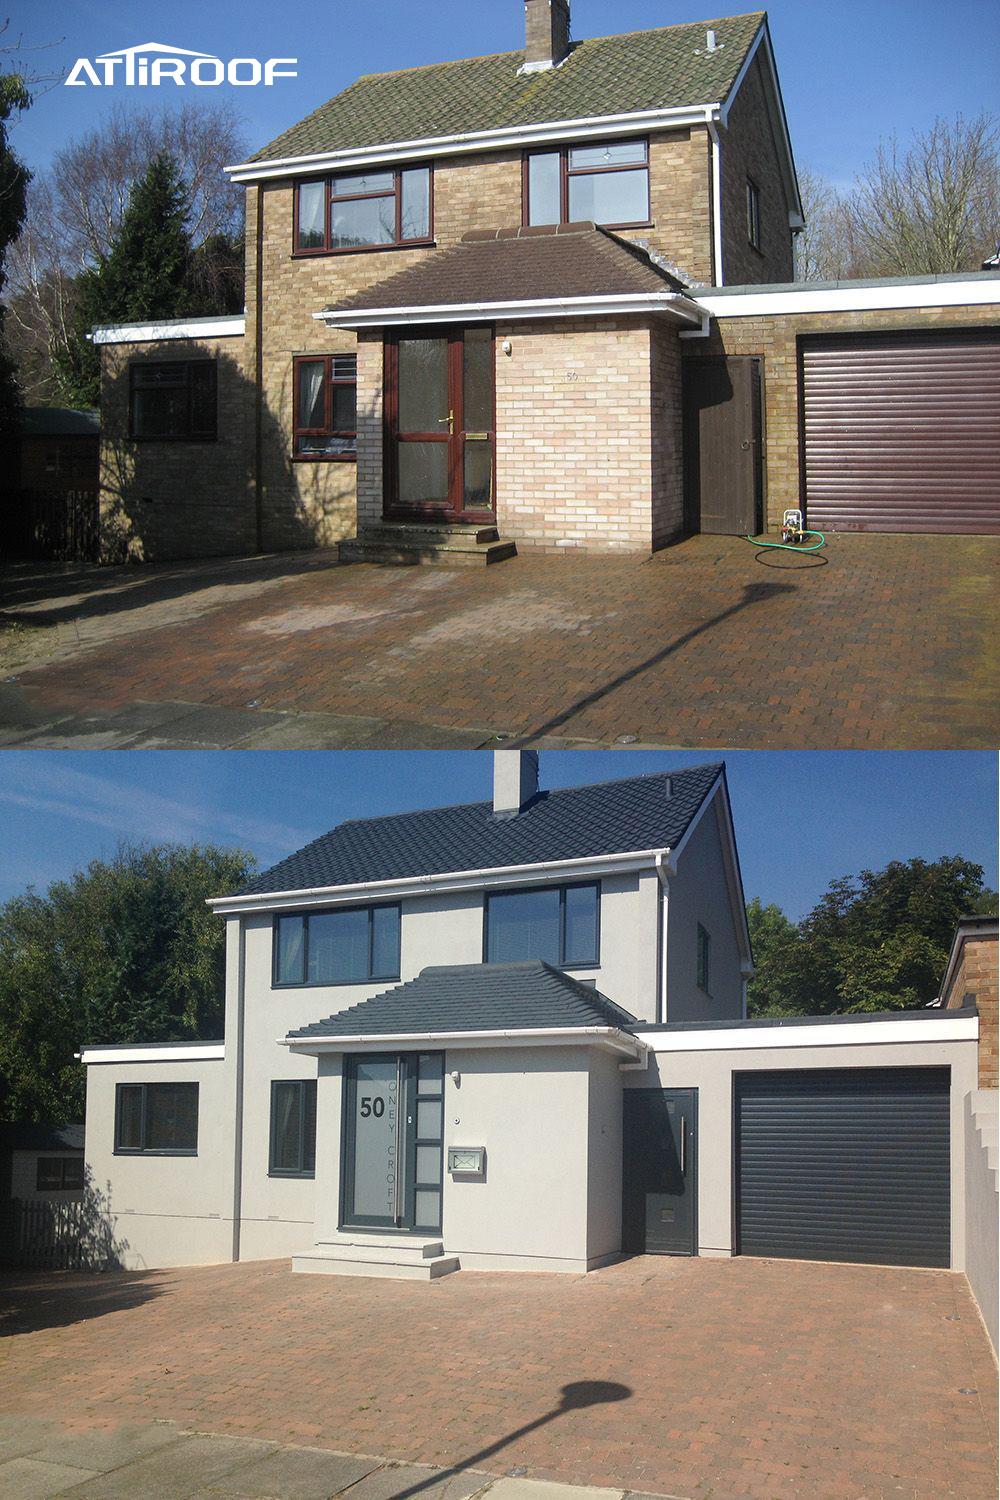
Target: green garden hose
(792,546)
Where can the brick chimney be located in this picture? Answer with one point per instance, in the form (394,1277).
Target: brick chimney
(515,781)
(546,34)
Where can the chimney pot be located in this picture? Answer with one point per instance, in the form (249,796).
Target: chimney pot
(546,33)
(515,781)
(710,40)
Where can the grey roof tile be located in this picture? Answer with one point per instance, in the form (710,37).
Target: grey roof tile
(529,996)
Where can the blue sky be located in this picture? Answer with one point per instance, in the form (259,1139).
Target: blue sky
(802,818)
(851,71)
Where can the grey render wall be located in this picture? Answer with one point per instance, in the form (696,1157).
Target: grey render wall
(980,1114)
(604,1175)
(711,1073)
(698,894)
(165,1210)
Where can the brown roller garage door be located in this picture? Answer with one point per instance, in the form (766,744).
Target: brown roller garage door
(902,432)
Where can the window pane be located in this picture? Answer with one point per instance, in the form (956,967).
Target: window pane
(416,192)
(430,1073)
(610,197)
(309,1128)
(429,1164)
(608,154)
(290,938)
(160,413)
(523,924)
(423,472)
(171,1117)
(202,380)
(429,1119)
(581,924)
(285,1131)
(338,946)
(543,188)
(311,412)
(73,1172)
(385,942)
(50,1175)
(423,385)
(345,408)
(365,221)
(345,367)
(428,1208)
(130,1117)
(477,380)
(363,182)
(312,206)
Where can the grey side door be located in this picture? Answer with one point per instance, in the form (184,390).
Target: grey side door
(659,1171)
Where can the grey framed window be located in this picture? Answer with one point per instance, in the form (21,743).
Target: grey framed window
(560,924)
(293,1128)
(345,946)
(58,1173)
(364,211)
(156,1119)
(753,213)
(606,182)
(173,400)
(704,951)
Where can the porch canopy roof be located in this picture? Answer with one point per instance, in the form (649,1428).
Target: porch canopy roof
(540,272)
(528,1003)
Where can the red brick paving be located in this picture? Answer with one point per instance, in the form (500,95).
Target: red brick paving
(878,642)
(746,1378)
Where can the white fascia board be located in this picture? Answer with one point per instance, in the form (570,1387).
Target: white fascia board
(149,333)
(609,1038)
(762,43)
(734,878)
(849,299)
(588,127)
(673,304)
(456,880)
(846,1033)
(170,1053)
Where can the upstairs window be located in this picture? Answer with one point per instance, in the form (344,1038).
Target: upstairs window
(160,1119)
(607,183)
(704,952)
(326,420)
(363,210)
(556,923)
(172,399)
(753,213)
(346,946)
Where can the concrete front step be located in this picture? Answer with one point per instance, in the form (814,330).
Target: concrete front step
(357,1260)
(399,543)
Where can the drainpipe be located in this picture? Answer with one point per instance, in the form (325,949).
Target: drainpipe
(713,130)
(238,1145)
(258,415)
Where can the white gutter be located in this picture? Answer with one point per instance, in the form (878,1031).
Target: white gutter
(711,118)
(167,1052)
(845,1033)
(586,127)
(550,1036)
(925,293)
(191,328)
(675,304)
(456,880)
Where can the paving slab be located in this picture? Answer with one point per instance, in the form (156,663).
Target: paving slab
(541,1489)
(176,1470)
(102,1451)
(24,1433)
(295,1474)
(400,1481)
(28,1479)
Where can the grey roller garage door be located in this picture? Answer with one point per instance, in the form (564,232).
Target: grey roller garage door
(902,432)
(845,1164)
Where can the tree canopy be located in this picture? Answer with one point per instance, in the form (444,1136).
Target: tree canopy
(124,951)
(875,941)
(14,179)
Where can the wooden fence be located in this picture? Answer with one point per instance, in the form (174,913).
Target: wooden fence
(64,527)
(53,1235)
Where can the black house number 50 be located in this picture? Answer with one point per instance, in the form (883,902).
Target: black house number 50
(374,1107)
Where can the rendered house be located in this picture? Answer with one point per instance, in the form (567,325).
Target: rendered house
(512,1035)
(542,299)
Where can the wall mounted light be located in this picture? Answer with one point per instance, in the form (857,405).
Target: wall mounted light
(507,347)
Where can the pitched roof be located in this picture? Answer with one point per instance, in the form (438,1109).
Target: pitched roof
(530,996)
(612,817)
(641,70)
(511,265)
(24,1136)
(60,421)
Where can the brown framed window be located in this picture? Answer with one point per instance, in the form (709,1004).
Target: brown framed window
(753,213)
(326,404)
(58,1173)
(173,400)
(364,211)
(607,182)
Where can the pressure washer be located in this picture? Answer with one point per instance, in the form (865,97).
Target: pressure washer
(793,534)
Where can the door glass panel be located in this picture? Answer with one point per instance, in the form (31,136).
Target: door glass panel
(478,493)
(543,188)
(416,203)
(423,385)
(478,382)
(610,197)
(428,1208)
(430,1073)
(429,1119)
(423,472)
(375,1104)
(428,1163)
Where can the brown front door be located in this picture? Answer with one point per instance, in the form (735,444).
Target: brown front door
(723,466)
(440,425)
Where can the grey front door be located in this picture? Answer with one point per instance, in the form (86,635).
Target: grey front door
(393,1127)
(659,1171)
(723,462)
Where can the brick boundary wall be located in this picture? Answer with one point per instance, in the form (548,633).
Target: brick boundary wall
(976,974)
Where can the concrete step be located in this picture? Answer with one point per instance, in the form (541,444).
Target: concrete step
(402,545)
(984,1117)
(406,531)
(358,1260)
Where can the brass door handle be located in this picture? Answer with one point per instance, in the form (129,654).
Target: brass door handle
(450,419)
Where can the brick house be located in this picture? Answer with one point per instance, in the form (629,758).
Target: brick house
(508,301)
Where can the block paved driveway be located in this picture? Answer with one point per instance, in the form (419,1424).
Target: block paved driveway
(879,641)
(730,1379)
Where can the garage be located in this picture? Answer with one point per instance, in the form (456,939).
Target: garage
(901,431)
(844,1164)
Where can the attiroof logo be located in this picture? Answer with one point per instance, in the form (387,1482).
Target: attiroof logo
(134,66)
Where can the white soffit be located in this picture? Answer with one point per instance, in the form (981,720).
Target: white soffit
(170,1052)
(150,333)
(537,309)
(756,304)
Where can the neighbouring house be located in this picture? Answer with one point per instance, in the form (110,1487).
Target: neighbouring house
(545,299)
(512,1035)
(971,979)
(41,1162)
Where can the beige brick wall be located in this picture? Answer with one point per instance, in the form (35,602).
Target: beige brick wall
(666,435)
(164,500)
(749,149)
(775,339)
(976,974)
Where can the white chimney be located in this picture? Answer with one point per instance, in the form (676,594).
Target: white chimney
(515,781)
(546,34)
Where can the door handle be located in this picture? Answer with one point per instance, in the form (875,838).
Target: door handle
(450,419)
(397,1206)
(683,1143)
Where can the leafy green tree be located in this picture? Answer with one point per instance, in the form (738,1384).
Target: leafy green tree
(14,179)
(875,941)
(124,951)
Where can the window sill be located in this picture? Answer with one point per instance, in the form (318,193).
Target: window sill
(142,1151)
(177,438)
(324,458)
(332,984)
(303,1176)
(365,249)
